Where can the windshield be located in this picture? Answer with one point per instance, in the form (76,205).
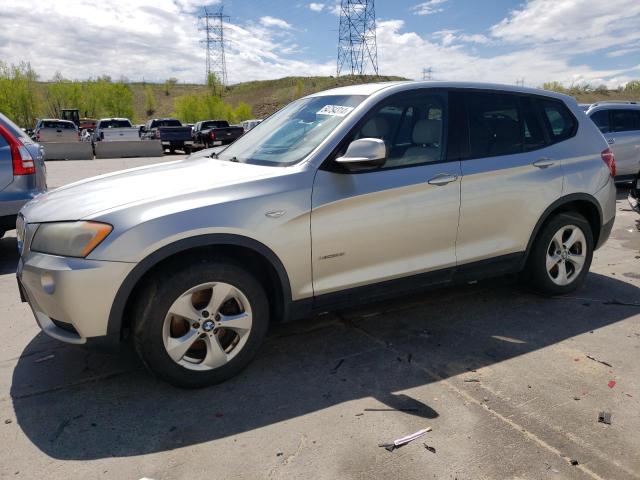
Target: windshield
(292,133)
(56,124)
(115,124)
(166,123)
(214,124)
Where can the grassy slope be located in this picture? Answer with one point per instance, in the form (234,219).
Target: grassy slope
(267,96)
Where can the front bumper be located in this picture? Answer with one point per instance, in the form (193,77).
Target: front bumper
(70,297)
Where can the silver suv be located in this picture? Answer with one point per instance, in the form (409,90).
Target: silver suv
(620,124)
(346,195)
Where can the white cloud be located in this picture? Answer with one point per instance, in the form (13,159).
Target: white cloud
(158,39)
(575,25)
(275,22)
(427,8)
(452,62)
(316,7)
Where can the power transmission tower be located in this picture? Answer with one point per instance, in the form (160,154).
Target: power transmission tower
(212,24)
(357,49)
(520,82)
(426,73)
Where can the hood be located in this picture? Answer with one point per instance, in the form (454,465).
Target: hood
(89,197)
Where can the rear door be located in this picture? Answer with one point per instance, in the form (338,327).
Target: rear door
(510,175)
(624,139)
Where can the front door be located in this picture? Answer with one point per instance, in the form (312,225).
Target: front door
(398,220)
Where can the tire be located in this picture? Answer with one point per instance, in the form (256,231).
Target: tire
(187,150)
(193,288)
(568,264)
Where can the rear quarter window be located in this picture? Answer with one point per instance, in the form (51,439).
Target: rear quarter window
(625,120)
(561,124)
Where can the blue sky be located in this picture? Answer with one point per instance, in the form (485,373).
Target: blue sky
(572,41)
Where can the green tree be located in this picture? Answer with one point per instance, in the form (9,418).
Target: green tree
(169,83)
(149,101)
(214,84)
(633,87)
(18,93)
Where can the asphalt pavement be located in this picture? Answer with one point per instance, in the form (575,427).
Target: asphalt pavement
(510,382)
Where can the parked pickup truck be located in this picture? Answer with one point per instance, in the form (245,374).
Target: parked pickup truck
(54,130)
(170,132)
(210,133)
(115,130)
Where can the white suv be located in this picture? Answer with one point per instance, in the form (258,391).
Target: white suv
(346,195)
(620,124)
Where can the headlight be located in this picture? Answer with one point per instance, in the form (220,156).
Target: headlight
(69,239)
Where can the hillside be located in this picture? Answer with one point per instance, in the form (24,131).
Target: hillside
(267,96)
(264,97)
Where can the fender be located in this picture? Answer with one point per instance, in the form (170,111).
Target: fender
(119,303)
(572,197)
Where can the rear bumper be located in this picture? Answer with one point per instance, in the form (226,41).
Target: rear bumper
(70,297)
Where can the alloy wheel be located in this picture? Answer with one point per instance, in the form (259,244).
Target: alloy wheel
(566,255)
(207,326)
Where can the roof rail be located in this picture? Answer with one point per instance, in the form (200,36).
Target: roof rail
(622,102)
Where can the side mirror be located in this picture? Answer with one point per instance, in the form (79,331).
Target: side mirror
(364,154)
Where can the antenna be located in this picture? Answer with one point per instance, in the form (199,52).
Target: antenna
(212,24)
(357,49)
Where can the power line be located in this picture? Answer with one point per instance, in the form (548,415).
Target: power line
(357,48)
(212,24)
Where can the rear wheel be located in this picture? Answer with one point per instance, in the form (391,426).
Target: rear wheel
(203,326)
(561,255)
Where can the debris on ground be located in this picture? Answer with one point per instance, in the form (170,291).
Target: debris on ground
(574,462)
(599,361)
(431,449)
(334,370)
(279,454)
(404,440)
(412,409)
(576,398)
(44,359)
(8,421)
(472,380)
(604,417)
(611,384)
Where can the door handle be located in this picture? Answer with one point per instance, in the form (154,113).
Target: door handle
(442,179)
(543,163)
(611,141)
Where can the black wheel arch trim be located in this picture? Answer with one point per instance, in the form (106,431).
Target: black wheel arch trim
(572,197)
(116,315)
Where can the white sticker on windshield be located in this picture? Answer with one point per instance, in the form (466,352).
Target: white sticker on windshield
(335,110)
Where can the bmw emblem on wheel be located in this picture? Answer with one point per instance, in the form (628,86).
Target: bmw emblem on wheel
(208,326)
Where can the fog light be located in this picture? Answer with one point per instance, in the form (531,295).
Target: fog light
(48,283)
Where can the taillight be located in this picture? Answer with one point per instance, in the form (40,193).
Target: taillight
(21,158)
(212,135)
(609,158)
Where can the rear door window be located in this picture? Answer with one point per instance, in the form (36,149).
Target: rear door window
(625,120)
(601,119)
(560,122)
(495,124)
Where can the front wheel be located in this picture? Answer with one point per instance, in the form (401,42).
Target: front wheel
(203,326)
(561,255)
